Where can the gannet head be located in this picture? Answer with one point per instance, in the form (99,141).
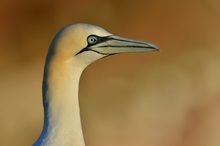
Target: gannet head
(88,43)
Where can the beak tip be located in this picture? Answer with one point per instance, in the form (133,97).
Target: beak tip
(154,47)
(157,49)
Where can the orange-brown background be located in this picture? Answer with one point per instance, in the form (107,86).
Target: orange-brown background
(166,98)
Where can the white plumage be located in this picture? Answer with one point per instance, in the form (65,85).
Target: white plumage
(71,51)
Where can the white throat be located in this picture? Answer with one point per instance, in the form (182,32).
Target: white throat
(72,49)
(62,126)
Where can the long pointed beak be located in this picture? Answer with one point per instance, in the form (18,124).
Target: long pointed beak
(115,44)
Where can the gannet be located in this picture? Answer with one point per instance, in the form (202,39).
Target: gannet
(73,48)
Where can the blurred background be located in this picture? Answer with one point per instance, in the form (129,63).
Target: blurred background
(166,98)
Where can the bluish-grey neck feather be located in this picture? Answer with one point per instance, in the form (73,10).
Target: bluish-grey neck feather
(45,89)
(57,113)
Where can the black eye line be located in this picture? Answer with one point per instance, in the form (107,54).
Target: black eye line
(99,40)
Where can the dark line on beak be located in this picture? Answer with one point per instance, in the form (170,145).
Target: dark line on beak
(98,52)
(151,47)
(129,41)
(111,37)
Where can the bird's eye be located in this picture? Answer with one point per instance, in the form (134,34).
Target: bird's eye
(92,39)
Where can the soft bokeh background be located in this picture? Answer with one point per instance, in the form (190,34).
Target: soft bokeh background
(166,98)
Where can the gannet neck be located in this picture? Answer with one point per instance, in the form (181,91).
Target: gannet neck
(73,48)
(62,124)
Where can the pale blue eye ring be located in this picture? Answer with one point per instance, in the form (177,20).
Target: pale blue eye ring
(92,39)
